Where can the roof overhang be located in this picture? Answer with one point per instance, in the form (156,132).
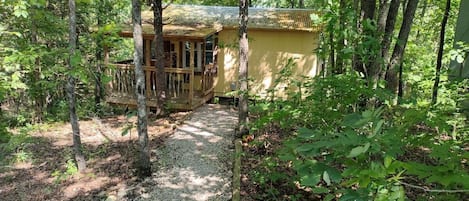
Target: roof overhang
(175,31)
(191,22)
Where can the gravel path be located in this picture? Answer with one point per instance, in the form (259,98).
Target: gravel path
(195,162)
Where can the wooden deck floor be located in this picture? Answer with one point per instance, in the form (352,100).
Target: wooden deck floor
(178,103)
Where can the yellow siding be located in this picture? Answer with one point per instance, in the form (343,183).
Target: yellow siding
(268,54)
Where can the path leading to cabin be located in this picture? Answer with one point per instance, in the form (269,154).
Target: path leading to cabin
(195,162)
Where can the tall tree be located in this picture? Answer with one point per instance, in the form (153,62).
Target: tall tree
(98,88)
(389,29)
(440,52)
(158,45)
(243,68)
(301,4)
(79,156)
(143,164)
(398,52)
(339,68)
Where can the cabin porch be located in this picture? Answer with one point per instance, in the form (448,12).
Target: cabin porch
(190,60)
(186,89)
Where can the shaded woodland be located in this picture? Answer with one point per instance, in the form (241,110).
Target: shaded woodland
(383,121)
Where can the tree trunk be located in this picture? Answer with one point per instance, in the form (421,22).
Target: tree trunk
(357,65)
(397,55)
(98,88)
(332,65)
(38,89)
(422,15)
(389,29)
(159,64)
(79,156)
(301,4)
(292,3)
(400,92)
(243,68)
(341,38)
(440,52)
(367,12)
(143,164)
(376,66)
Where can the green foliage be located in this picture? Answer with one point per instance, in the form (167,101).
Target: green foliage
(361,154)
(15,148)
(336,142)
(70,170)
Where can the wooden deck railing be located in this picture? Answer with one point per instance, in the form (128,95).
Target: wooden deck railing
(179,82)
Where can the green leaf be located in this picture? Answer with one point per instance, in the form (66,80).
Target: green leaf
(329,197)
(358,150)
(377,128)
(126,129)
(75,59)
(305,133)
(387,161)
(334,174)
(326,178)
(310,180)
(306,147)
(460,59)
(320,190)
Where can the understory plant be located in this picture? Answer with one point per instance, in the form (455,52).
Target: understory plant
(338,146)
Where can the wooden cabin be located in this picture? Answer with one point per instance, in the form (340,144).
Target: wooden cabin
(201,53)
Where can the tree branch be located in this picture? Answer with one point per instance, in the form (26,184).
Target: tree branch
(426,189)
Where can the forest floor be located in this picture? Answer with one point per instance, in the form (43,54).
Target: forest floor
(40,165)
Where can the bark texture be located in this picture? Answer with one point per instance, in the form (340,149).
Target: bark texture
(398,52)
(143,164)
(339,69)
(159,51)
(98,88)
(301,4)
(389,29)
(79,156)
(440,52)
(243,68)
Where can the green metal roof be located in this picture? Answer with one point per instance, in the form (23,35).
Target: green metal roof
(200,20)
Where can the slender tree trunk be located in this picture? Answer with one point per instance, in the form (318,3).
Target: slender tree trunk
(376,66)
(367,12)
(243,68)
(422,15)
(159,64)
(356,59)
(397,55)
(341,38)
(301,4)
(79,156)
(332,52)
(389,30)
(38,96)
(143,164)
(440,52)
(400,92)
(98,87)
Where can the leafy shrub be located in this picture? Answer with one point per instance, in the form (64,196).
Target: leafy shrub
(339,145)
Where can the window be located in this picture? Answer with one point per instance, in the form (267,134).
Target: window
(186,55)
(211,48)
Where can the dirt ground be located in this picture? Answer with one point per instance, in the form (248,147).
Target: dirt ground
(42,174)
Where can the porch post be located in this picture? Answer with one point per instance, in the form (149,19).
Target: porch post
(191,77)
(146,69)
(147,52)
(106,63)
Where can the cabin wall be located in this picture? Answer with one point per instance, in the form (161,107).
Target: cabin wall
(269,52)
